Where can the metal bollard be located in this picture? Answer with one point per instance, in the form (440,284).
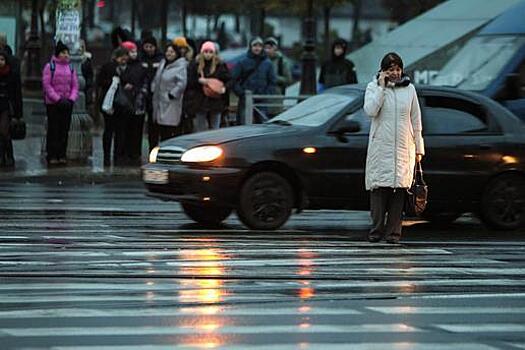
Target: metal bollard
(248,108)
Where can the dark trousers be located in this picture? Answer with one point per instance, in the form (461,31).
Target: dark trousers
(167,132)
(386,209)
(135,127)
(6,145)
(114,135)
(153,130)
(58,123)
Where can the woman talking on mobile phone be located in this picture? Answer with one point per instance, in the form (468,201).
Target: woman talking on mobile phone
(395,145)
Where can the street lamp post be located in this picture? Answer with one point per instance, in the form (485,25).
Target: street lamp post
(308,77)
(68,31)
(33,79)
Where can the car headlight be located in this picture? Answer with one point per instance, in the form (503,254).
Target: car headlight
(202,154)
(153,155)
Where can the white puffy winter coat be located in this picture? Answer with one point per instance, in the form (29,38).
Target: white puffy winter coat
(395,135)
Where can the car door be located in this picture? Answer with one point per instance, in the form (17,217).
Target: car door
(344,158)
(461,149)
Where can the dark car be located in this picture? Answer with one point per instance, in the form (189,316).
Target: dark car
(313,157)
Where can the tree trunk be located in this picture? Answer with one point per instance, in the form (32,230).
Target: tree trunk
(184,18)
(216,23)
(91,13)
(355,29)
(262,20)
(327,39)
(237,23)
(164,22)
(43,34)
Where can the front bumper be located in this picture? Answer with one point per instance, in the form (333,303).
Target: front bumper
(188,183)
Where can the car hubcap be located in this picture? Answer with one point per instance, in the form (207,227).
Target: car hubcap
(268,201)
(506,203)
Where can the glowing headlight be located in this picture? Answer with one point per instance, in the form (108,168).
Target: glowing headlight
(202,154)
(153,155)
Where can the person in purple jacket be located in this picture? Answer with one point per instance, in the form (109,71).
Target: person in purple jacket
(60,93)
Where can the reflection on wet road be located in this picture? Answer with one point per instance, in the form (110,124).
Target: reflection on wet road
(96,267)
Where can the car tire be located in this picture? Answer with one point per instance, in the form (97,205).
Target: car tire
(503,203)
(266,201)
(440,218)
(208,214)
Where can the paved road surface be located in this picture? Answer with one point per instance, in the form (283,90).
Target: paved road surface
(103,267)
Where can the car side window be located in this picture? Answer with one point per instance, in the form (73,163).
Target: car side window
(363,120)
(452,116)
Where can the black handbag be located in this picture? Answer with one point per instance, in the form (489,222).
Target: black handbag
(417,194)
(123,101)
(18,129)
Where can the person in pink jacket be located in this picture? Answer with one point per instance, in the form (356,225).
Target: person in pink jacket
(60,84)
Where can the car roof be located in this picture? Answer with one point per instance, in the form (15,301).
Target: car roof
(444,90)
(345,89)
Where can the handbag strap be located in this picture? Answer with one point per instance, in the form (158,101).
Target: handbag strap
(418,173)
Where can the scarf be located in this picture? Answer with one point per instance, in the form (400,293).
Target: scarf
(5,70)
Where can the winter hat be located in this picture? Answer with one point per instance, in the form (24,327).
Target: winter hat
(129,45)
(271,41)
(391,59)
(255,41)
(119,52)
(150,40)
(180,41)
(60,47)
(208,46)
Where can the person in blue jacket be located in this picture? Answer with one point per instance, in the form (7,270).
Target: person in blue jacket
(254,72)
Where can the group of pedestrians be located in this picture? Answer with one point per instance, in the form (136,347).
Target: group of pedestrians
(180,90)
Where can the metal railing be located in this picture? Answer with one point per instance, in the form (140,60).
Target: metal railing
(267,106)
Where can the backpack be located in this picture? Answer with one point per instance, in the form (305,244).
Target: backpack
(53,67)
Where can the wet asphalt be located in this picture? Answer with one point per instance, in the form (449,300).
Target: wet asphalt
(98,265)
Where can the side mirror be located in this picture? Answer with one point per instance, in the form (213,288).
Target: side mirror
(348,126)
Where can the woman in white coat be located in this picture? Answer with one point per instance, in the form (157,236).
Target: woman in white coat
(395,144)
(168,89)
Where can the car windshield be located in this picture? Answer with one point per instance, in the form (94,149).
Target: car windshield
(479,62)
(315,110)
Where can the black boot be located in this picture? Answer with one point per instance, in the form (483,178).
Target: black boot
(2,153)
(9,159)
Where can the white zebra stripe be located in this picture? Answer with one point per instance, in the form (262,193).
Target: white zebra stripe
(300,346)
(207,329)
(419,310)
(483,327)
(219,311)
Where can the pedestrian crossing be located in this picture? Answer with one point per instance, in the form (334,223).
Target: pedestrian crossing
(104,267)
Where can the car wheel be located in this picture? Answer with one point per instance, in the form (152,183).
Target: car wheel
(266,201)
(208,215)
(440,218)
(503,203)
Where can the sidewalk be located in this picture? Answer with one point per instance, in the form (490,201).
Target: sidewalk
(31,167)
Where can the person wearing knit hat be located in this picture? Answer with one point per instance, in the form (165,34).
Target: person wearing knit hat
(129,45)
(183,46)
(61,48)
(254,72)
(60,83)
(112,122)
(256,41)
(180,41)
(150,57)
(205,94)
(280,66)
